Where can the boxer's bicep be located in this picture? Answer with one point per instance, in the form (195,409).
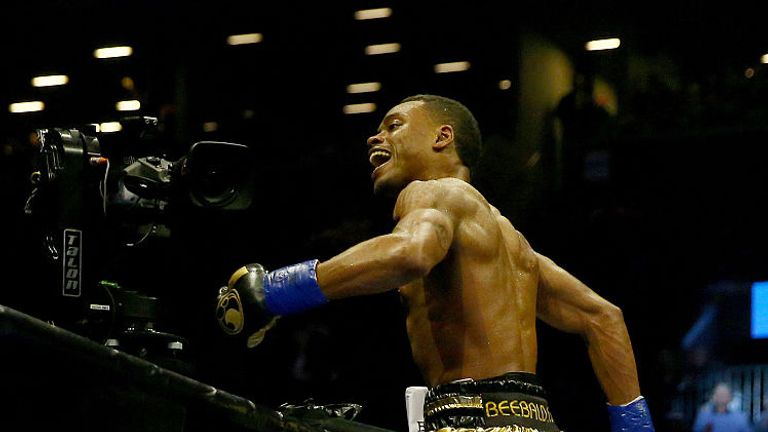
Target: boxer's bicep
(563,301)
(419,241)
(426,216)
(429,234)
(426,221)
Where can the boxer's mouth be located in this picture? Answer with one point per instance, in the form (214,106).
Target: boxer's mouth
(379,157)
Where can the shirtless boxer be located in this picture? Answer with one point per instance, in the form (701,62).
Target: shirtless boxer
(471,284)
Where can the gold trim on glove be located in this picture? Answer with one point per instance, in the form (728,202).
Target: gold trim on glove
(258,336)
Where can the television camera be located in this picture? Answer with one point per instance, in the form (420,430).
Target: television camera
(96,195)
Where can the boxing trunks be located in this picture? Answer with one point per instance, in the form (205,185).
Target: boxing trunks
(513,402)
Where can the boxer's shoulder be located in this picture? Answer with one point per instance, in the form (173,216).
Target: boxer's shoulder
(451,196)
(444,191)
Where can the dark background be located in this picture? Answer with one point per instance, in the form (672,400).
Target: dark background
(678,213)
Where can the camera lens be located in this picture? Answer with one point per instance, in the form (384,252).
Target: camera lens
(219,175)
(216,187)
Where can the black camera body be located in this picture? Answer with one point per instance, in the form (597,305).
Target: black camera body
(96,194)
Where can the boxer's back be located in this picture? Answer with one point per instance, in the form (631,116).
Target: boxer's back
(474,314)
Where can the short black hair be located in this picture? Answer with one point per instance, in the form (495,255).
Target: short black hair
(450,111)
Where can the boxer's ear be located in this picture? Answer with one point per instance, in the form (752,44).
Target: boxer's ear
(444,137)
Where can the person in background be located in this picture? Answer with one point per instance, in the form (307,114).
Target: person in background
(718,416)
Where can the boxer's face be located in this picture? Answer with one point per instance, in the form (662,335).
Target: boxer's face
(400,152)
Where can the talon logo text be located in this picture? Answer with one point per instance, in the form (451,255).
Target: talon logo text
(72,264)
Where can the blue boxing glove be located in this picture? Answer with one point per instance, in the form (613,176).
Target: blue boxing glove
(254,299)
(632,417)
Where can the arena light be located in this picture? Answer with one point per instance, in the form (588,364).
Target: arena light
(128,105)
(368,14)
(25,107)
(49,80)
(113,52)
(210,126)
(459,66)
(366,87)
(359,108)
(244,39)
(127,83)
(387,48)
(764,58)
(602,44)
(109,127)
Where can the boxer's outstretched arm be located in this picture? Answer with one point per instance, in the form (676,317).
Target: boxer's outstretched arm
(567,304)
(254,297)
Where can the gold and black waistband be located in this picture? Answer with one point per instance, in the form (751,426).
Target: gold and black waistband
(514,400)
